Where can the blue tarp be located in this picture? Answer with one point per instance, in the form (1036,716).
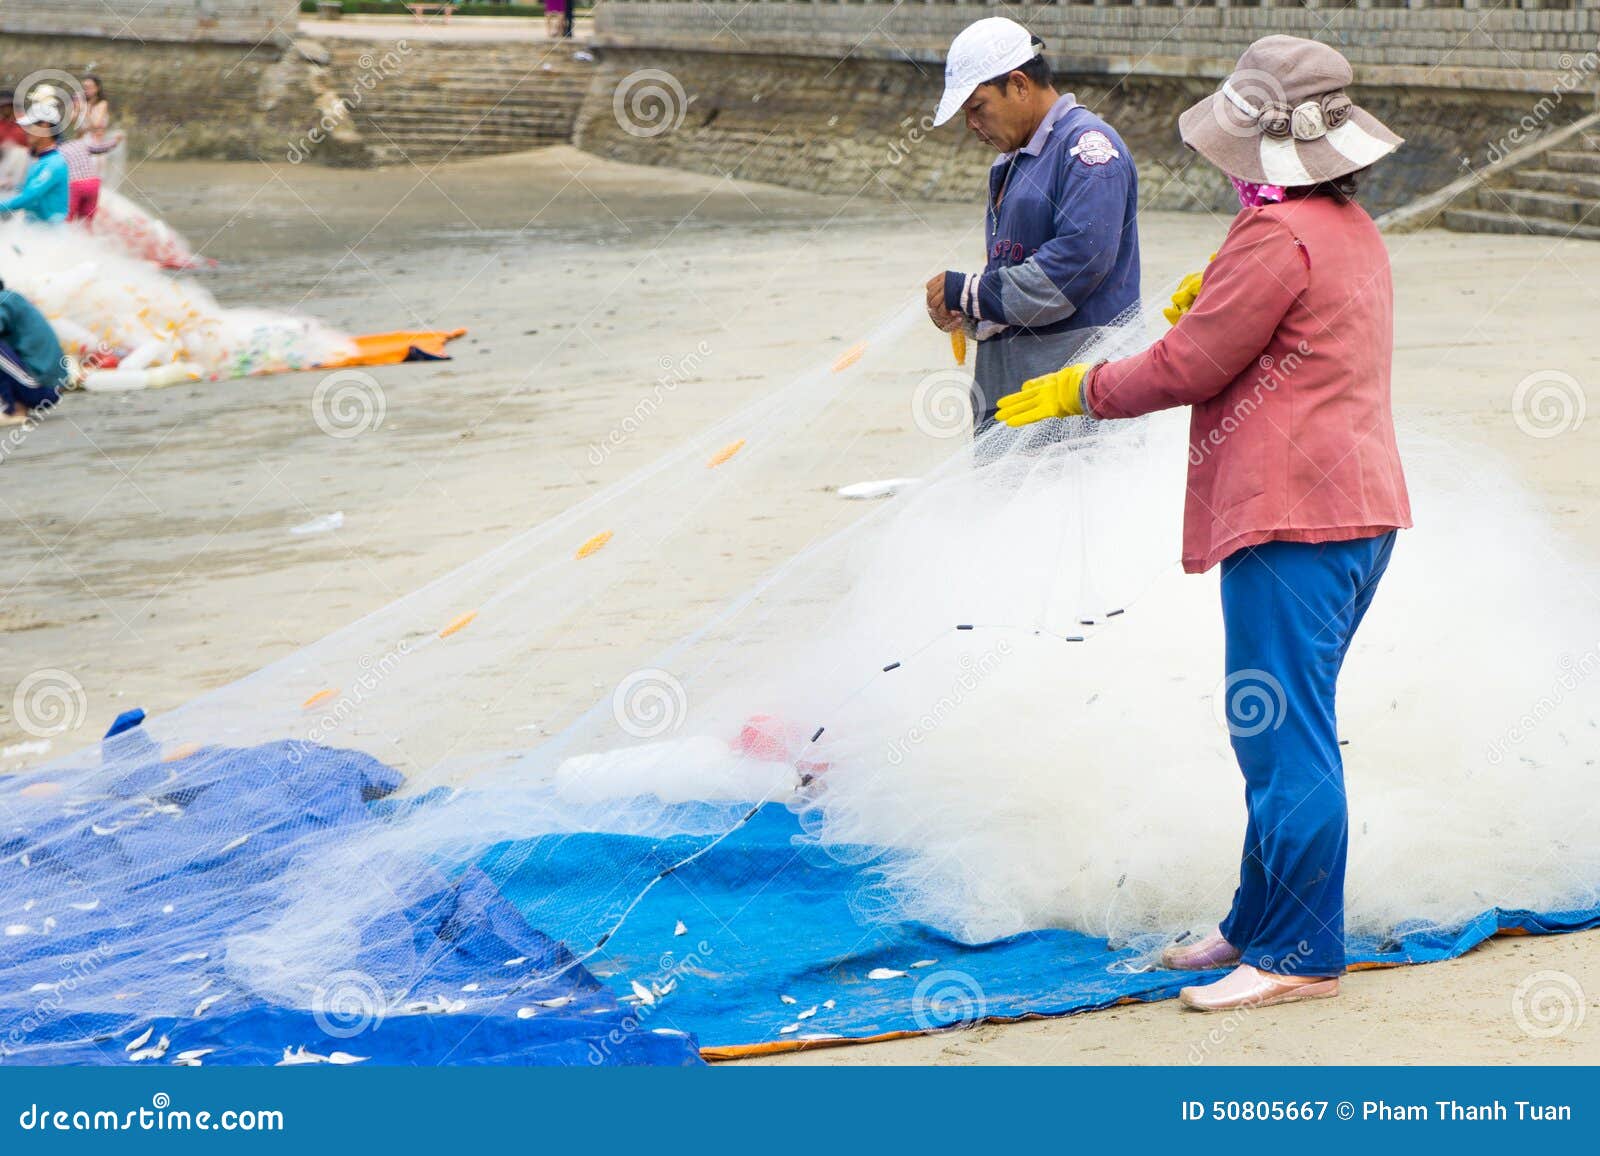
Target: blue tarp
(757,941)
(767,918)
(146,881)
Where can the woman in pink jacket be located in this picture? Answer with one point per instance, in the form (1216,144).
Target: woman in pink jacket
(1295,484)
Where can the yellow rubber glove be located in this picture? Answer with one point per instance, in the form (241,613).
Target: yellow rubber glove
(1188,290)
(1058,394)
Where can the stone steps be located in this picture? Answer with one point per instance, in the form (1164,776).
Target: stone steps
(1572,160)
(461,102)
(1573,184)
(1533,203)
(1487,221)
(1555,193)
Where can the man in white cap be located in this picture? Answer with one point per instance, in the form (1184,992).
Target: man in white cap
(44,194)
(1062,245)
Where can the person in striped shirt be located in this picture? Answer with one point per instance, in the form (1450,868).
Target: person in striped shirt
(83,175)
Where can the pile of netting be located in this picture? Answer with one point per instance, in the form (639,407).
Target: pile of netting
(132,325)
(994,696)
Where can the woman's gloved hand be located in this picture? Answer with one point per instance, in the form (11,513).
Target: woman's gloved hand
(1188,290)
(1058,394)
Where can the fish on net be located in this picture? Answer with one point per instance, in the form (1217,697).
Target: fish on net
(995,691)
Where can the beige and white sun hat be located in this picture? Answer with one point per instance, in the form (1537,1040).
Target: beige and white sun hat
(1282,118)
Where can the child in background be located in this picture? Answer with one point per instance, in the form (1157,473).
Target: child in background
(83,189)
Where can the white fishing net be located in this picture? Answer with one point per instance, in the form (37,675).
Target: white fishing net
(107,303)
(997,688)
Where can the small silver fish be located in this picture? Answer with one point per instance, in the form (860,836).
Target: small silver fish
(154,1052)
(558,1001)
(925,963)
(642,993)
(292,1057)
(142,1040)
(884,973)
(808,1013)
(200,1008)
(681,929)
(346,1058)
(788,999)
(786,1030)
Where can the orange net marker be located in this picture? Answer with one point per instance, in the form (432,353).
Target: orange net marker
(849,357)
(320,697)
(593,544)
(458,624)
(958,346)
(724,454)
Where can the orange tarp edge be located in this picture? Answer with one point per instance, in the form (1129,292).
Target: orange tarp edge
(781,1047)
(393,348)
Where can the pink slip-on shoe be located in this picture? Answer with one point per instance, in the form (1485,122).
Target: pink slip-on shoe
(1249,987)
(1208,952)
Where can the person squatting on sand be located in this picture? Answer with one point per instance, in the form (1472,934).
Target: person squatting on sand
(33,368)
(44,194)
(1060,232)
(1295,484)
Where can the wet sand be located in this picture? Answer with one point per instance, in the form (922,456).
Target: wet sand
(149,551)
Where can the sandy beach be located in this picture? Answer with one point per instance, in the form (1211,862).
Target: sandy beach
(149,546)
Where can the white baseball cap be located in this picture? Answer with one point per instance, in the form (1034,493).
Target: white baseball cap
(41,114)
(984,49)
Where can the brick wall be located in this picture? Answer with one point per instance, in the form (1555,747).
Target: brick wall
(216,21)
(1477,45)
(836,96)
